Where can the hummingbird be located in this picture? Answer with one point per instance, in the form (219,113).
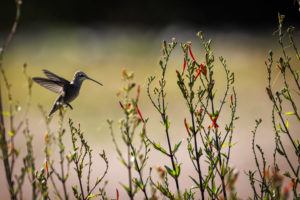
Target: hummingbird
(67,91)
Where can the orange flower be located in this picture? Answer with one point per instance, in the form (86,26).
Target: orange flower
(288,187)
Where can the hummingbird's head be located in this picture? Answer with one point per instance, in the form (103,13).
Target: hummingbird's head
(81,76)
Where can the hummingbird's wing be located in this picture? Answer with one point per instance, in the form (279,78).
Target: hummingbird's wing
(54,77)
(54,86)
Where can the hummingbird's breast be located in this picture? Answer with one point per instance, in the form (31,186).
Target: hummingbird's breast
(71,92)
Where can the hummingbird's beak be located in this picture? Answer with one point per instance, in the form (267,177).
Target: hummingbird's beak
(93,80)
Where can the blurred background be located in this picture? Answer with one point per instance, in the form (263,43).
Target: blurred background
(101,38)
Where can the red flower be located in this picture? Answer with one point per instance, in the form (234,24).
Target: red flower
(186,127)
(231,99)
(214,122)
(202,69)
(184,65)
(138,111)
(192,56)
(199,71)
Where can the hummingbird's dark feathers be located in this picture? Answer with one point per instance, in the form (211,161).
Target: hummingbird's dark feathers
(54,86)
(55,77)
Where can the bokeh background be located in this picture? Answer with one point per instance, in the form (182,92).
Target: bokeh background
(101,38)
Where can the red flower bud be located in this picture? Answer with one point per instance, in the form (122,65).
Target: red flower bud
(138,111)
(191,54)
(117,194)
(121,105)
(186,127)
(184,65)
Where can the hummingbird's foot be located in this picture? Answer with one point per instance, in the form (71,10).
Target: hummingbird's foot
(69,106)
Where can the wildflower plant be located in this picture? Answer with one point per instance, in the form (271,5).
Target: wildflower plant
(210,144)
(160,104)
(267,182)
(133,122)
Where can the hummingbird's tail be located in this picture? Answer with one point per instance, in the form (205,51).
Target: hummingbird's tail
(55,106)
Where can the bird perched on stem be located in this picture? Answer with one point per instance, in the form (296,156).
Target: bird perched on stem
(67,91)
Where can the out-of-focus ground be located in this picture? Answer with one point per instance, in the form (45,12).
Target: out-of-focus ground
(103,52)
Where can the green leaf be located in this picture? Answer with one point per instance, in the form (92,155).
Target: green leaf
(177,170)
(138,183)
(289,113)
(223,169)
(6,113)
(92,196)
(170,171)
(213,189)
(167,124)
(198,185)
(10,133)
(287,124)
(75,190)
(158,147)
(127,189)
(280,152)
(224,144)
(287,174)
(176,147)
